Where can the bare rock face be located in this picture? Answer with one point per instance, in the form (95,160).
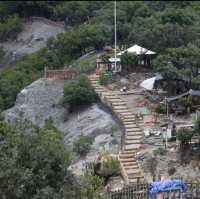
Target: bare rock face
(38,102)
(41,100)
(34,36)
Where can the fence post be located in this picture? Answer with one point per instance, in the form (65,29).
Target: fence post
(45,71)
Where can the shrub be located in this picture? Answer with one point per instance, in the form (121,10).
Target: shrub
(103,78)
(186,102)
(160,109)
(113,129)
(2,52)
(109,167)
(197,125)
(160,151)
(83,144)
(184,135)
(10,27)
(79,92)
(171,170)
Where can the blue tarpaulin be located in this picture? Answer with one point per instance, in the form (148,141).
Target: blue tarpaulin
(164,186)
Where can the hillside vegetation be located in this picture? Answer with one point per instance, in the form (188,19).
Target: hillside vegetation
(160,26)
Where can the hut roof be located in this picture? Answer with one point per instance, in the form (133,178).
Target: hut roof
(138,50)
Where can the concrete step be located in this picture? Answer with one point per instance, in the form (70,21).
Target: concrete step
(134,130)
(134,175)
(112,97)
(129,151)
(134,180)
(133,172)
(117,108)
(128,126)
(129,164)
(131,167)
(114,100)
(133,133)
(126,160)
(119,104)
(124,155)
(133,137)
(127,142)
(121,112)
(120,107)
(128,118)
(129,122)
(132,146)
(128,114)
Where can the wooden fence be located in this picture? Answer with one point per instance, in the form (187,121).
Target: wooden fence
(63,74)
(140,191)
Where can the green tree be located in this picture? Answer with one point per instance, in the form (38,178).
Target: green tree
(35,165)
(163,65)
(184,135)
(79,92)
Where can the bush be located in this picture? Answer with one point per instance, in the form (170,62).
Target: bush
(160,151)
(113,129)
(161,109)
(38,158)
(171,170)
(184,135)
(197,125)
(83,144)
(186,102)
(79,91)
(2,53)
(103,78)
(10,27)
(109,167)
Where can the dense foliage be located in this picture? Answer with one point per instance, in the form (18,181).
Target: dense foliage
(161,108)
(184,135)
(170,28)
(79,92)
(12,80)
(35,165)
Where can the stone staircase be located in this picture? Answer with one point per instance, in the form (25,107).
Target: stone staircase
(132,137)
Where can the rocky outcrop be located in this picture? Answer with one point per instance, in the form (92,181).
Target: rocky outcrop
(41,100)
(34,36)
(38,102)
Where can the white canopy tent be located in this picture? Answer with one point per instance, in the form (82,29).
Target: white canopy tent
(138,50)
(148,84)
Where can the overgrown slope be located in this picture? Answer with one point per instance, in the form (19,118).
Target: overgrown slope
(157,25)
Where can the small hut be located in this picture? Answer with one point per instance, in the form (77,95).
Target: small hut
(144,57)
(109,66)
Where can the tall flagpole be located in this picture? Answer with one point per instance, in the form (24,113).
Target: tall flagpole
(115,33)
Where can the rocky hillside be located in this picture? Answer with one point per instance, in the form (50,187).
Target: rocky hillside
(34,36)
(42,100)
